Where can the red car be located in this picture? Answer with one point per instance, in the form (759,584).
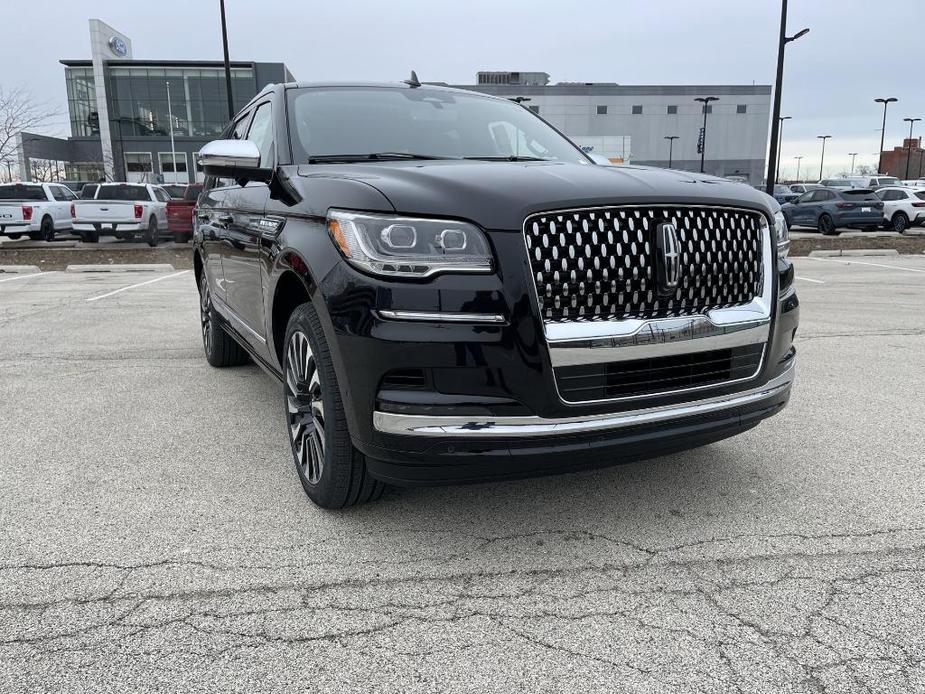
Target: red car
(180,213)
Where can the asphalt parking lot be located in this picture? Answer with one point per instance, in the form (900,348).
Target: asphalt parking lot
(156,538)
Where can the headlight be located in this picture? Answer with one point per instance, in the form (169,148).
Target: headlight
(407,246)
(782,231)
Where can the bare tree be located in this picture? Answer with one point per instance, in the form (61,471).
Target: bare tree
(44,170)
(866,170)
(20,111)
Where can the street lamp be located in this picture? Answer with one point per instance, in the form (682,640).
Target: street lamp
(911,122)
(774,153)
(852,155)
(822,160)
(705,100)
(885,102)
(671,139)
(798,167)
(780,141)
(227,61)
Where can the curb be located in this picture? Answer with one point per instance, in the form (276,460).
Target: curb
(854,252)
(153,267)
(16,269)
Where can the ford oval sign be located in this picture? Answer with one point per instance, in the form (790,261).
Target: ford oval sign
(117,46)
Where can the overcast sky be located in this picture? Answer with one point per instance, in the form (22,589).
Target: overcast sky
(856,50)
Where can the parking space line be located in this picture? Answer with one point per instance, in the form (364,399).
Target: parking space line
(31,274)
(807,279)
(858,262)
(139,284)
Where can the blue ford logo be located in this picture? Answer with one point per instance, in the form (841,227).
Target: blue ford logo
(117,46)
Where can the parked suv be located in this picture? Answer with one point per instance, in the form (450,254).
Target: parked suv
(448,290)
(902,207)
(830,209)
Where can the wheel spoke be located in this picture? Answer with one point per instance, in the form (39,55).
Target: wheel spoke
(305,407)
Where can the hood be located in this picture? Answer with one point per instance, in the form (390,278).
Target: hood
(499,195)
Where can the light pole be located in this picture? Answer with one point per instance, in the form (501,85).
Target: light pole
(780,141)
(822,160)
(227,61)
(773,155)
(885,103)
(798,167)
(705,100)
(671,139)
(173,149)
(911,122)
(852,155)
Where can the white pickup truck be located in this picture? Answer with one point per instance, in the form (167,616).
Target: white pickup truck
(37,209)
(124,210)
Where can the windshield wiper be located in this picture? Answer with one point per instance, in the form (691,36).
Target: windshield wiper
(510,157)
(374,156)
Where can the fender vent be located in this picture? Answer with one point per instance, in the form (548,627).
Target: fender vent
(404,379)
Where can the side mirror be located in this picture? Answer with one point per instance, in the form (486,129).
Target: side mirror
(237,159)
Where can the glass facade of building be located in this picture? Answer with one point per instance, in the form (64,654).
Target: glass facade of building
(138,100)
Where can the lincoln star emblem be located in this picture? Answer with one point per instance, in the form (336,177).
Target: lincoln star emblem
(670,256)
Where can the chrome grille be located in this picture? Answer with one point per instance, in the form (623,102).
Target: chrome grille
(602,263)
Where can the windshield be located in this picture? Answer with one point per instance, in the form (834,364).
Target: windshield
(782,190)
(21,192)
(430,123)
(122,192)
(887,181)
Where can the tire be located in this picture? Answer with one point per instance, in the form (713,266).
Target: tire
(181,238)
(220,348)
(900,222)
(14,236)
(47,230)
(152,232)
(333,473)
(826,226)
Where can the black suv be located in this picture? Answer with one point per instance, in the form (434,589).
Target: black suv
(449,290)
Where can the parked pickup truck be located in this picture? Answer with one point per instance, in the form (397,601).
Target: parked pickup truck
(180,213)
(124,210)
(448,290)
(37,209)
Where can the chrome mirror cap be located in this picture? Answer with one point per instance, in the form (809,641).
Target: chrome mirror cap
(240,155)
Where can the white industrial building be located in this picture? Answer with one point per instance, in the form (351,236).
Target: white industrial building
(630,122)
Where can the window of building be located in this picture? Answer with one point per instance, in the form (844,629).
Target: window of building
(535,109)
(166,159)
(602,110)
(672,110)
(741,108)
(708,108)
(637,110)
(138,166)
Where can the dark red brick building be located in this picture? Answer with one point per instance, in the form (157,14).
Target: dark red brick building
(894,160)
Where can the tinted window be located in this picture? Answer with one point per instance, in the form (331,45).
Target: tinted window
(88,192)
(920,195)
(824,195)
(122,192)
(859,194)
(161,195)
(637,110)
(431,122)
(61,194)
(18,191)
(741,108)
(672,110)
(602,110)
(261,134)
(806,197)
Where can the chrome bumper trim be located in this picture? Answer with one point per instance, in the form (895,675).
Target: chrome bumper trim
(660,338)
(494,427)
(441,316)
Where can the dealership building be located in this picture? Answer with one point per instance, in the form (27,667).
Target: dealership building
(629,123)
(142,120)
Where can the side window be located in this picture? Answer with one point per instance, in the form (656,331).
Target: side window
(57,192)
(232,132)
(161,195)
(807,197)
(825,195)
(261,134)
(883,194)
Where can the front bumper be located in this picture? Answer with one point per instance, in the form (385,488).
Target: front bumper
(490,407)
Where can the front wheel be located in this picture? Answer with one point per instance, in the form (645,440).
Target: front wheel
(152,233)
(827,226)
(332,472)
(900,222)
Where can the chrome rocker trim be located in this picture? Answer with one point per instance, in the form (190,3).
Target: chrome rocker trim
(506,427)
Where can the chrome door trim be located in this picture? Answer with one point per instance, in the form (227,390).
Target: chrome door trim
(235,318)
(512,427)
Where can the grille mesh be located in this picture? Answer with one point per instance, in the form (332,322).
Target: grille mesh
(600,264)
(657,375)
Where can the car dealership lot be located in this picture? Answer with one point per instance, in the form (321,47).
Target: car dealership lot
(156,536)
